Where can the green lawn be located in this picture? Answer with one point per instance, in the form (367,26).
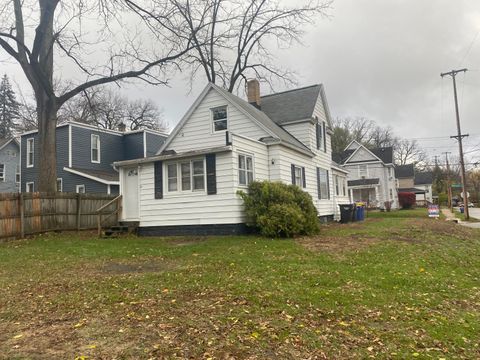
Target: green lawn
(399,285)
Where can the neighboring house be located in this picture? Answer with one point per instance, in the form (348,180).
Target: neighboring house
(85,155)
(371,176)
(9,165)
(221,145)
(408,181)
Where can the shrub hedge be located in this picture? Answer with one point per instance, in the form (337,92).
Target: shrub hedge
(280,210)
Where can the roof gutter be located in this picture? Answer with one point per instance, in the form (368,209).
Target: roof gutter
(193,153)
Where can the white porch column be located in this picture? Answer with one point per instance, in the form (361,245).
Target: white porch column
(350,191)
(376,197)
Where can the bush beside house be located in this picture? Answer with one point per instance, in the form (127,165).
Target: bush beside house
(280,210)
(407,200)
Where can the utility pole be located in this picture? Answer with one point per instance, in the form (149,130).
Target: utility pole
(459,137)
(449,184)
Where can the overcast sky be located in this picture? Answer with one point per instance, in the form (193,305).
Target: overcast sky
(379,59)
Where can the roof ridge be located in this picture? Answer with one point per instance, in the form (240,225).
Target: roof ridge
(287,91)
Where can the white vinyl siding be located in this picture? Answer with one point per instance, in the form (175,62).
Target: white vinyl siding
(30,152)
(197,132)
(95,148)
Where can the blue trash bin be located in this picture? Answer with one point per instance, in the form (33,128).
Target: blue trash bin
(462,209)
(360,213)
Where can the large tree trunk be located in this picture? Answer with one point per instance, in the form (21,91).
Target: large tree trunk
(47,157)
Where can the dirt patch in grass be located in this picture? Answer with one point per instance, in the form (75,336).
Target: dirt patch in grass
(186,241)
(336,244)
(114,268)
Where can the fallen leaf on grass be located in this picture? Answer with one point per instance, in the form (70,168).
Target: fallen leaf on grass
(18,336)
(255,335)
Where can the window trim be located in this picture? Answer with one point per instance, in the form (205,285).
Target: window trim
(61,185)
(30,150)
(27,184)
(320,195)
(178,164)
(18,178)
(360,172)
(213,121)
(92,136)
(3,172)
(336,180)
(77,187)
(246,155)
(302,184)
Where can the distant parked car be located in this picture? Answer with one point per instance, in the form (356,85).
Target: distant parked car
(470,205)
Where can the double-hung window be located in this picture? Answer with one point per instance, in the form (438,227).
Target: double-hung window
(198,175)
(186,176)
(2,172)
(172,177)
(59,184)
(219,116)
(29,187)
(30,152)
(245,169)
(298,176)
(337,185)
(80,189)
(95,148)
(362,171)
(17,174)
(323,187)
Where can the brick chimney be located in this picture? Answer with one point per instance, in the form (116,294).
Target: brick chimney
(253,92)
(122,127)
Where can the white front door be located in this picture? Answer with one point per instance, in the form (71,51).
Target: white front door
(130,193)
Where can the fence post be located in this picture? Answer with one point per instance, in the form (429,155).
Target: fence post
(22,216)
(79,203)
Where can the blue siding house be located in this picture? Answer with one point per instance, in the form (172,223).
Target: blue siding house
(9,165)
(85,155)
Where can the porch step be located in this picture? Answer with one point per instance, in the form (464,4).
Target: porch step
(123,228)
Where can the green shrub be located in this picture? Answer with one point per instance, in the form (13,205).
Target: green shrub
(280,210)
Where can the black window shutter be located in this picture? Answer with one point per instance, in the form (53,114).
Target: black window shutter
(318,184)
(211,174)
(304,178)
(158,179)
(318,130)
(293,174)
(328,185)
(324,138)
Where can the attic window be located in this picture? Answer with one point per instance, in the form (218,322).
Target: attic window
(219,116)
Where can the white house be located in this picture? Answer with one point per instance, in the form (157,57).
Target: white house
(424,180)
(371,176)
(221,145)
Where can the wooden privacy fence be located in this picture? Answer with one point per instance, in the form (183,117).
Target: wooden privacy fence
(31,213)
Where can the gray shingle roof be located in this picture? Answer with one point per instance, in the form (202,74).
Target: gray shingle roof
(384,153)
(411,190)
(404,171)
(423,178)
(268,123)
(292,105)
(104,175)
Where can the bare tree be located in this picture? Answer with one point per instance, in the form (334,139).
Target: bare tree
(59,34)
(107,109)
(232,38)
(408,152)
